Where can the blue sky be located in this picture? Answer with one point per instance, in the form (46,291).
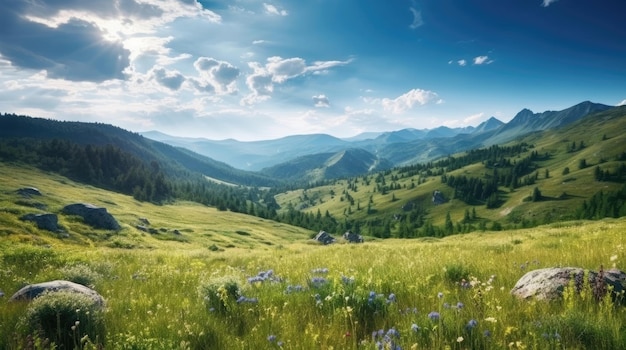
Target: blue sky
(252,70)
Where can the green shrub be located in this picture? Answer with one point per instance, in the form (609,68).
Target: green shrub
(220,294)
(454,273)
(67,319)
(81,274)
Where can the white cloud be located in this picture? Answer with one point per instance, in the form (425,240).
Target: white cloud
(462,62)
(482,60)
(472,119)
(278,70)
(258,42)
(547,3)
(219,74)
(409,100)
(417,19)
(321,101)
(284,69)
(623,103)
(273,10)
(171,79)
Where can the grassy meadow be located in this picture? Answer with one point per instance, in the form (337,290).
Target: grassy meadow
(232,281)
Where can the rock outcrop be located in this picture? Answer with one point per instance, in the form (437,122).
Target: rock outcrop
(549,283)
(32,291)
(46,221)
(93,216)
(353,237)
(28,192)
(324,237)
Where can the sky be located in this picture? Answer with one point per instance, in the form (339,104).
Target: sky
(257,70)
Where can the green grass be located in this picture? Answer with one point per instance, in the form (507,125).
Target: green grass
(160,292)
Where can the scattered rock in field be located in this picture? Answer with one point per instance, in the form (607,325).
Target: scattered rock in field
(153,231)
(324,238)
(176,232)
(29,192)
(549,283)
(142,228)
(32,291)
(46,221)
(144,221)
(438,198)
(353,237)
(93,216)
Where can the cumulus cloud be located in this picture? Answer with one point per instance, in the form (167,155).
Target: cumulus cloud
(221,75)
(547,3)
(85,40)
(623,103)
(273,10)
(482,60)
(278,70)
(417,18)
(462,62)
(409,100)
(321,101)
(171,79)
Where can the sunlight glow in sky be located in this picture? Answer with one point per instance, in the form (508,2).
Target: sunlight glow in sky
(251,70)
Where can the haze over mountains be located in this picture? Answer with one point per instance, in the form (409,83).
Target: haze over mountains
(394,148)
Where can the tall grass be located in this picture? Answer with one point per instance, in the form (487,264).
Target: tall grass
(449,293)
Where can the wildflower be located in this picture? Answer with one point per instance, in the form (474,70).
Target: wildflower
(290,289)
(391,298)
(459,339)
(487,333)
(460,305)
(347,280)
(1,294)
(415,328)
(322,270)
(318,281)
(446,305)
(271,338)
(434,316)
(440,295)
(471,324)
(491,319)
(212,309)
(392,332)
(280,343)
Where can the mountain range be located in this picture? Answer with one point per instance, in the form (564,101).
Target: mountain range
(304,156)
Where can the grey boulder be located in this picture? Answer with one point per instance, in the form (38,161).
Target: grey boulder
(32,291)
(93,216)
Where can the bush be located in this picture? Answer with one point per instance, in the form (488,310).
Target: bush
(67,319)
(81,274)
(220,294)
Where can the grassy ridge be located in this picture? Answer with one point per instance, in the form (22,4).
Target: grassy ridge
(162,293)
(603,136)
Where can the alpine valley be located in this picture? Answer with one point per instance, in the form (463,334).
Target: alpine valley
(201,244)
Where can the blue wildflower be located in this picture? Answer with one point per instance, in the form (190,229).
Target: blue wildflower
(434,316)
(460,305)
(471,324)
(487,333)
(392,298)
(318,281)
(392,332)
(347,280)
(271,338)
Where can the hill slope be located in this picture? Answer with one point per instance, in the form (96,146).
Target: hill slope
(325,166)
